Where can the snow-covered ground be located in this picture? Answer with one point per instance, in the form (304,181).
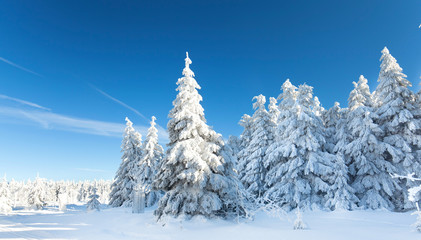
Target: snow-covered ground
(120,223)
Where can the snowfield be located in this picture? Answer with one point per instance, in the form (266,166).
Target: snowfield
(120,223)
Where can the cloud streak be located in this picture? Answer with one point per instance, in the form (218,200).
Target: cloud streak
(118,101)
(19,67)
(44,117)
(30,104)
(160,129)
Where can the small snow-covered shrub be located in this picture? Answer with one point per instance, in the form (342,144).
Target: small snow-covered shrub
(93,204)
(299,223)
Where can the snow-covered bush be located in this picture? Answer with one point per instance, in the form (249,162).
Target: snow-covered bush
(299,223)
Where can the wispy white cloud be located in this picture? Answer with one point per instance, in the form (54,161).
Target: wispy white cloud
(160,129)
(20,67)
(119,102)
(30,104)
(51,120)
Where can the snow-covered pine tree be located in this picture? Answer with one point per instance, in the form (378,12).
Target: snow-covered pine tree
(235,145)
(274,154)
(303,177)
(330,120)
(125,178)
(340,194)
(372,182)
(287,100)
(261,137)
(273,112)
(93,203)
(195,176)
(360,96)
(246,122)
(36,195)
(5,203)
(62,197)
(149,163)
(318,109)
(396,109)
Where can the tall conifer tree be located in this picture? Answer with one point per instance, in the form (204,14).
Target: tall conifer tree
(194,174)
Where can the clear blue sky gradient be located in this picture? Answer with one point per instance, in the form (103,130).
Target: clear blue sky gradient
(57,53)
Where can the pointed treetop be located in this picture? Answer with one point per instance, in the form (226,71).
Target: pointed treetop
(362,79)
(128,122)
(187,72)
(153,121)
(337,104)
(272,101)
(286,84)
(260,101)
(385,50)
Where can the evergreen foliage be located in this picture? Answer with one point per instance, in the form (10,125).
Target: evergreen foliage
(149,163)
(126,176)
(194,174)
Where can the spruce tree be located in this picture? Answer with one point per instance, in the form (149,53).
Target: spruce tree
(261,137)
(273,113)
(125,179)
(363,148)
(5,203)
(194,174)
(245,138)
(274,154)
(235,145)
(93,203)
(371,171)
(340,195)
(360,96)
(36,196)
(303,177)
(149,163)
(287,101)
(330,121)
(396,109)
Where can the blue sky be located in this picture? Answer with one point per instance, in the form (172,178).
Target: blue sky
(71,71)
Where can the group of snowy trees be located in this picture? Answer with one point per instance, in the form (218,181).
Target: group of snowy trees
(295,154)
(39,193)
(139,165)
(197,174)
(298,154)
